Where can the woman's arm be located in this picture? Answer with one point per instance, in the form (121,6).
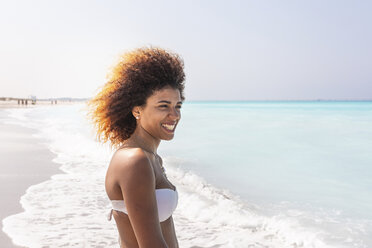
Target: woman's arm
(169,232)
(137,183)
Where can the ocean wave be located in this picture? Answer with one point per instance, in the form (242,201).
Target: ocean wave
(70,209)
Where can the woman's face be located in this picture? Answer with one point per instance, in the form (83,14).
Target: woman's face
(161,114)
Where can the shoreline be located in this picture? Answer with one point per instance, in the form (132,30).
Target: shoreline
(17,147)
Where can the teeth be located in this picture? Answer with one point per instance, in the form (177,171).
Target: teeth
(169,127)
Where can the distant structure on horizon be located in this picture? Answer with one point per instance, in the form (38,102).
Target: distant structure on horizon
(33,100)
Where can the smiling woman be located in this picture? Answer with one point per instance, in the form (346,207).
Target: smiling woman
(137,108)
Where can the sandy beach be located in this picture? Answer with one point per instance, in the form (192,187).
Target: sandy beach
(24,161)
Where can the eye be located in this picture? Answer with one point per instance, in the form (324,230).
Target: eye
(178,106)
(163,106)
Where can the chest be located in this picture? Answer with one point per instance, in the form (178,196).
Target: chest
(160,176)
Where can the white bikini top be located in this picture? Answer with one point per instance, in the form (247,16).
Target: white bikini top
(166,199)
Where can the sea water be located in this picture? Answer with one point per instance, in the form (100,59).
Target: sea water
(249,174)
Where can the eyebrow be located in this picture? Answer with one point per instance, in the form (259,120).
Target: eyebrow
(168,102)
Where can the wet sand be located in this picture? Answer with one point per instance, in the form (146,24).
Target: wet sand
(24,161)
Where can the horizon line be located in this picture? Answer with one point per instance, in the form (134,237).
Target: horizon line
(216,100)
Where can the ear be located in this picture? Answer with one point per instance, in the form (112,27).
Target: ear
(136,112)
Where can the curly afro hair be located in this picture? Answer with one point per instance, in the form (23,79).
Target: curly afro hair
(136,76)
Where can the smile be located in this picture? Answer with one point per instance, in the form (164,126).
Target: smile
(169,127)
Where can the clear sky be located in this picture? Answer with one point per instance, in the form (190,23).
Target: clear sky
(233,50)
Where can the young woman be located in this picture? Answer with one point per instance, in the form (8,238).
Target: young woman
(137,108)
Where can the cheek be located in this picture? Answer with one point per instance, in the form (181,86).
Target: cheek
(152,121)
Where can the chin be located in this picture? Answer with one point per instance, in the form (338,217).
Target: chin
(168,137)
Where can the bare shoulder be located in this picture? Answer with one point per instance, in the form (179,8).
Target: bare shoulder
(132,166)
(127,158)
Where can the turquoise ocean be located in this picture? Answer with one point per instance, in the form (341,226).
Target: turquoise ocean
(249,174)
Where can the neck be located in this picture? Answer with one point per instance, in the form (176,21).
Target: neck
(143,139)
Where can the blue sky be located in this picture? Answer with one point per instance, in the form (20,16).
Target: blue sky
(233,50)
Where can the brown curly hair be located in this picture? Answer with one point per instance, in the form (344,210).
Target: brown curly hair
(135,77)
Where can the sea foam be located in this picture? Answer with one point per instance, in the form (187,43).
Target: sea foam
(70,209)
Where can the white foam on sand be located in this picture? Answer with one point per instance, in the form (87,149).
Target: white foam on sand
(70,209)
